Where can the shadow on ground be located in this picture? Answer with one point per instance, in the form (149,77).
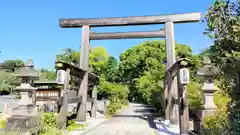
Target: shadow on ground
(149,114)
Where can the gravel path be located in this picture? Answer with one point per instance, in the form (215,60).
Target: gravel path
(133,120)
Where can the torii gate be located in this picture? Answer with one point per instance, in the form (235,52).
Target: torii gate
(172,109)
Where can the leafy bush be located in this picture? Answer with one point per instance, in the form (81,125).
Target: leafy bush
(225,123)
(195,96)
(221,100)
(5,80)
(49,119)
(158,101)
(49,123)
(215,125)
(112,108)
(116,93)
(227,120)
(234,118)
(3,123)
(48,130)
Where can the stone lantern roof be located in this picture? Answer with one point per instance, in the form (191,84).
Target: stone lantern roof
(27,71)
(207,69)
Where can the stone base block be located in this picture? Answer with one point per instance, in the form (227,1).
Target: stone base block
(23,123)
(207,112)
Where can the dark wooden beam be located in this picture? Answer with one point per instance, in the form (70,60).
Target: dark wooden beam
(127,35)
(133,20)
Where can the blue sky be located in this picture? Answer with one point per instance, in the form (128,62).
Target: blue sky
(30,29)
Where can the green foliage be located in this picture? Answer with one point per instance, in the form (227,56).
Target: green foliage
(150,90)
(137,62)
(223,25)
(3,123)
(49,119)
(48,130)
(116,93)
(97,57)
(221,100)
(110,70)
(195,96)
(112,108)
(47,74)
(74,126)
(215,125)
(12,65)
(234,119)
(49,124)
(226,122)
(218,124)
(5,80)
(18,95)
(142,68)
(68,55)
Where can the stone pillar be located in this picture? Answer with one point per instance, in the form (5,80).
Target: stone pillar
(208,96)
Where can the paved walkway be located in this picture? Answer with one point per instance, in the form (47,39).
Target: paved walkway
(133,120)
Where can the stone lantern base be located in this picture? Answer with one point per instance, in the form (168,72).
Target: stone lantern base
(208,112)
(23,118)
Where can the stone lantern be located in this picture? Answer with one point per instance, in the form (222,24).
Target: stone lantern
(206,74)
(27,74)
(24,116)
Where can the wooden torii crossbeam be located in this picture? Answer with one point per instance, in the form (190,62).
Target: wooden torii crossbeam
(172,113)
(127,21)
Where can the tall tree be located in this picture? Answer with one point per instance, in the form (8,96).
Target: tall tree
(223,26)
(12,65)
(143,68)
